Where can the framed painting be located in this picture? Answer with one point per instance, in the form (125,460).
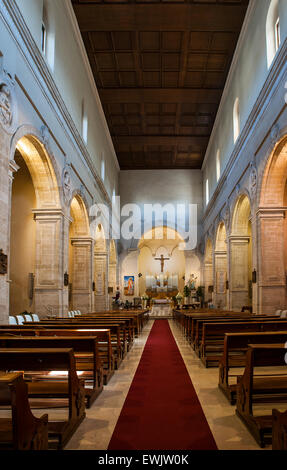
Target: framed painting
(129,285)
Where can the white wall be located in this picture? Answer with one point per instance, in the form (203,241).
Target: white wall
(162,187)
(70,73)
(248,74)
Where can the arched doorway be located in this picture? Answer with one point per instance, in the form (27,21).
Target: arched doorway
(161,263)
(208,272)
(80,258)
(36,265)
(100,269)
(272,233)
(241,255)
(220,268)
(112,272)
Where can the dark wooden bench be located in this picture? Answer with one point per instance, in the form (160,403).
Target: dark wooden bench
(253,387)
(212,338)
(86,353)
(279,430)
(120,338)
(23,431)
(72,390)
(234,356)
(103,335)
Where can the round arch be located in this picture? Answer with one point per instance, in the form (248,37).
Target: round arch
(41,164)
(272,230)
(40,220)
(241,294)
(80,219)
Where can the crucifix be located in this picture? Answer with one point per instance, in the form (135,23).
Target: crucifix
(162,260)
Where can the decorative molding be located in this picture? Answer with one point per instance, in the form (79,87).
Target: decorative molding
(225,95)
(253,179)
(269,88)
(8,106)
(274,133)
(11,15)
(87,65)
(67,184)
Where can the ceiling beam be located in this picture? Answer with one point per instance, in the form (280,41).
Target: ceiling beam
(198,141)
(160,17)
(159,95)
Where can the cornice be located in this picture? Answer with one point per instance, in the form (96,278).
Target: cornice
(265,95)
(18,29)
(231,72)
(78,36)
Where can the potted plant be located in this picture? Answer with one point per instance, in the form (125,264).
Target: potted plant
(199,293)
(186,293)
(179,298)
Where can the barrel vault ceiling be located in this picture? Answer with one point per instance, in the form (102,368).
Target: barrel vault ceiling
(160,69)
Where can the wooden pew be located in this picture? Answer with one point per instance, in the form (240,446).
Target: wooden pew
(23,431)
(63,329)
(120,337)
(234,355)
(261,388)
(212,339)
(279,430)
(85,350)
(43,360)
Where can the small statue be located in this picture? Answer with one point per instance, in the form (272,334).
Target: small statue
(192,282)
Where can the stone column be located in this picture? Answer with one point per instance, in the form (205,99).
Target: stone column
(51,296)
(112,281)
(208,280)
(220,268)
(271,275)
(101,301)
(82,275)
(6,178)
(239,271)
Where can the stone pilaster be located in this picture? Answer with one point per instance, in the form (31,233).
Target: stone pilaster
(6,176)
(208,279)
(239,273)
(82,275)
(51,296)
(271,276)
(220,278)
(101,265)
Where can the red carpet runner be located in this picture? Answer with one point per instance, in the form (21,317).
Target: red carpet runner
(162,411)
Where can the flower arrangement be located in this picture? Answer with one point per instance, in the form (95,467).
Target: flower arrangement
(179,297)
(145,297)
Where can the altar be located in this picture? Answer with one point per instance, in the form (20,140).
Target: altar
(161,308)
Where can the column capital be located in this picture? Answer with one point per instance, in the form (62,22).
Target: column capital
(13,168)
(82,241)
(48,214)
(271,212)
(239,238)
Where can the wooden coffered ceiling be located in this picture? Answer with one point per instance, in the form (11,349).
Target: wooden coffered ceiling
(160,69)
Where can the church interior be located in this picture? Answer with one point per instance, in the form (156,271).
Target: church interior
(143,228)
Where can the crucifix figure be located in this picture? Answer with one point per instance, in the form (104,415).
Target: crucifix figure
(162,260)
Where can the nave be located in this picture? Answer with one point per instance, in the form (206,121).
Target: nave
(96,432)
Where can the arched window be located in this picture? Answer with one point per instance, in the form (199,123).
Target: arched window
(207,192)
(218,167)
(48,36)
(236,120)
(103,168)
(273,39)
(84,123)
